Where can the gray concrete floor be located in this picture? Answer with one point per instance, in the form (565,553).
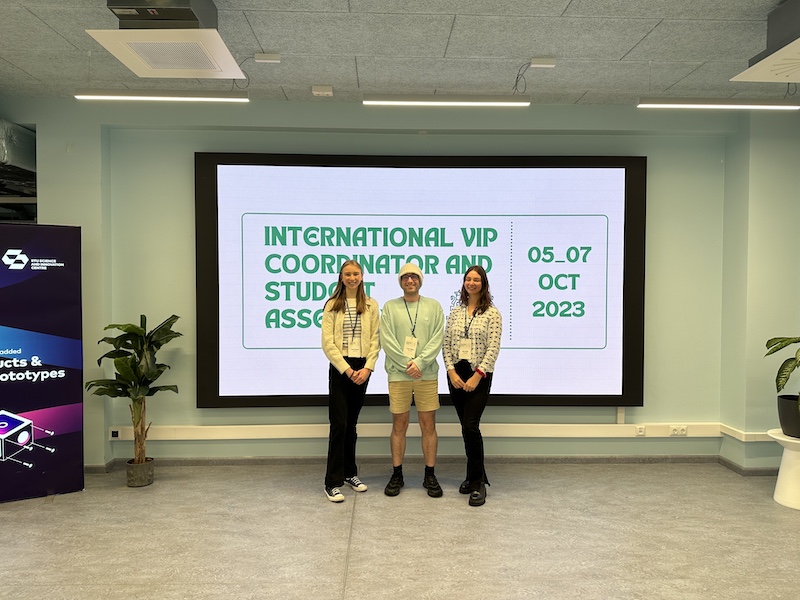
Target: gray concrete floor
(550,531)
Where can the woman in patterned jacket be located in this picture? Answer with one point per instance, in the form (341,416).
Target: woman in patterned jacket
(471,345)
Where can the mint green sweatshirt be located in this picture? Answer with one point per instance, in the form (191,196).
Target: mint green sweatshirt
(396,324)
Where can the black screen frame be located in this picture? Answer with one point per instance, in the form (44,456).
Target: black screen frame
(207,269)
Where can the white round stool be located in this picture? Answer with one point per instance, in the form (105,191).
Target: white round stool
(787,488)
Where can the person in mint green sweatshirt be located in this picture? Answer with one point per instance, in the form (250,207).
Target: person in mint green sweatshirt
(411,334)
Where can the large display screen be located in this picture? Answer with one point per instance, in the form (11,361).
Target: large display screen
(561,239)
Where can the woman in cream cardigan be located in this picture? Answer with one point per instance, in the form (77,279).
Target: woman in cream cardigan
(350,341)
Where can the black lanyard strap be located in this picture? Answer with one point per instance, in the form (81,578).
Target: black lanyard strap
(416,314)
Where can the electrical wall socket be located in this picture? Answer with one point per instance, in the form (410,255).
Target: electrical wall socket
(640,431)
(678,430)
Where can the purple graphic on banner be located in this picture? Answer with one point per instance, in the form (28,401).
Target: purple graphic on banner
(60,419)
(41,361)
(57,351)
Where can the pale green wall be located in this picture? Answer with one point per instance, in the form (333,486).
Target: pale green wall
(773,286)
(125,174)
(734,287)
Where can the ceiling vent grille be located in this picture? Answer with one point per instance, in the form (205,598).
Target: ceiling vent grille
(169,39)
(175,53)
(783,66)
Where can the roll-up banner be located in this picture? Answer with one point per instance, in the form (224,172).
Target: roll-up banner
(41,362)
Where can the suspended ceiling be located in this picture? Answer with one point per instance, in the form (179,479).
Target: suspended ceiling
(606,51)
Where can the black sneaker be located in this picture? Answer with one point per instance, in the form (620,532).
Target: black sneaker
(433,487)
(334,494)
(394,485)
(355,483)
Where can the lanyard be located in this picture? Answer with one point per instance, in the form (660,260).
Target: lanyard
(353,323)
(466,326)
(416,314)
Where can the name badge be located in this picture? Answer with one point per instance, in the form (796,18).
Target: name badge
(354,349)
(464,350)
(410,347)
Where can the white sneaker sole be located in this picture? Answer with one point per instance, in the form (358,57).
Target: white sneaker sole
(339,498)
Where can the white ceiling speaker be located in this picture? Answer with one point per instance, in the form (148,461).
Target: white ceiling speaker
(267,58)
(325,91)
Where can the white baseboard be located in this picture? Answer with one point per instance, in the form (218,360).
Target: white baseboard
(489,430)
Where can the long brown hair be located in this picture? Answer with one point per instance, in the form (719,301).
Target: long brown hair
(485,298)
(339,296)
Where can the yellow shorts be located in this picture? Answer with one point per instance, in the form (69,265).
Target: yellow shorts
(425,395)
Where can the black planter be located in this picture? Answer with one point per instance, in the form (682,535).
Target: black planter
(789,415)
(142,475)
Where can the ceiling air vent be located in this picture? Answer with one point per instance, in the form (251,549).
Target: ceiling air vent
(169,39)
(780,62)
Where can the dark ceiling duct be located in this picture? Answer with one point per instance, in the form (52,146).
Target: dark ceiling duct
(164,14)
(783,27)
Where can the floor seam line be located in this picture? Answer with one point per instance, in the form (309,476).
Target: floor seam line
(349,545)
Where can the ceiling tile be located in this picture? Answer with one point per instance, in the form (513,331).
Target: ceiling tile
(518,8)
(674,9)
(351,34)
(484,37)
(702,41)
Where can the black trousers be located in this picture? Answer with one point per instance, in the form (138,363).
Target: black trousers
(469,407)
(345,400)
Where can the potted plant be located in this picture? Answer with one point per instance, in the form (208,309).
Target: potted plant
(788,408)
(134,356)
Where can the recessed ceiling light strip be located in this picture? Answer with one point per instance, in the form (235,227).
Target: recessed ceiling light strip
(717,104)
(440,100)
(159,96)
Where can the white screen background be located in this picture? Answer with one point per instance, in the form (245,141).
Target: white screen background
(551,240)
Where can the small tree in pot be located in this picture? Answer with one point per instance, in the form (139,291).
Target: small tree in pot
(788,408)
(134,356)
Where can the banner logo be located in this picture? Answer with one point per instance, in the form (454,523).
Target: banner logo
(15,259)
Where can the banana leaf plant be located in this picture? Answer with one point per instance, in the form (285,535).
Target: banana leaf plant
(790,364)
(134,357)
